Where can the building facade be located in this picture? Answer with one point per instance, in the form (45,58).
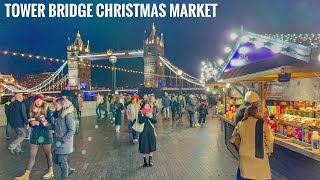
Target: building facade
(79,72)
(153,47)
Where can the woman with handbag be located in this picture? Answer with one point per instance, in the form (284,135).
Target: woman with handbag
(147,139)
(180,109)
(65,128)
(256,145)
(41,121)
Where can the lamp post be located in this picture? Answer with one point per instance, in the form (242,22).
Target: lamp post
(113,60)
(179,73)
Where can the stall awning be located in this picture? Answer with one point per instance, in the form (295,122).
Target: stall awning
(268,70)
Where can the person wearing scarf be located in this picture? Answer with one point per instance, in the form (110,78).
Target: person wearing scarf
(65,128)
(41,121)
(147,138)
(256,145)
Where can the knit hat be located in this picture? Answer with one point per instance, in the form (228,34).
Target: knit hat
(251,97)
(38,96)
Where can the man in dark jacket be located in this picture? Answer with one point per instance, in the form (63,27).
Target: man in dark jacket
(251,98)
(17,117)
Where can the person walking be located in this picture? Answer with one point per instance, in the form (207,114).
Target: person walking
(80,103)
(64,128)
(192,109)
(144,100)
(41,121)
(6,111)
(181,105)
(147,139)
(214,102)
(19,121)
(154,106)
(256,145)
(166,105)
(132,114)
(173,106)
(99,102)
(203,110)
(117,109)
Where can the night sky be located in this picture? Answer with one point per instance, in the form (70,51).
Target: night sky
(187,40)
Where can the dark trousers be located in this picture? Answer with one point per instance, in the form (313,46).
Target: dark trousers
(202,118)
(21,134)
(191,118)
(78,113)
(173,113)
(98,111)
(62,161)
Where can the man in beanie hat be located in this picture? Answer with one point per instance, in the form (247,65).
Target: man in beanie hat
(251,98)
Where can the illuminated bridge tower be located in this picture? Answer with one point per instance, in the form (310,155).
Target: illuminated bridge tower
(79,72)
(153,48)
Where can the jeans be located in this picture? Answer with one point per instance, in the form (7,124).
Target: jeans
(195,118)
(98,111)
(129,125)
(8,129)
(166,112)
(191,116)
(62,161)
(21,134)
(214,110)
(135,134)
(239,176)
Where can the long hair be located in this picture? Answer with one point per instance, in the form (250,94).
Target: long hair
(251,111)
(42,109)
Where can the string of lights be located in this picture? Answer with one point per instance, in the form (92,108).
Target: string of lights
(310,40)
(38,57)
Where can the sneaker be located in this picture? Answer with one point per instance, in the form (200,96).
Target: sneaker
(71,171)
(135,141)
(8,137)
(197,125)
(27,138)
(11,151)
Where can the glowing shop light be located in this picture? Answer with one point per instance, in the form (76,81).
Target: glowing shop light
(228,85)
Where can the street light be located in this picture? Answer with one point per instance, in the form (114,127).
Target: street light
(227,49)
(233,36)
(113,60)
(179,73)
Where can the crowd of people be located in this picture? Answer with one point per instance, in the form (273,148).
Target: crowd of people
(51,128)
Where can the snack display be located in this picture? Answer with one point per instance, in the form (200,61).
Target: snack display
(297,127)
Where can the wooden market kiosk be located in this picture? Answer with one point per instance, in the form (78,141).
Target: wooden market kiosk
(290,159)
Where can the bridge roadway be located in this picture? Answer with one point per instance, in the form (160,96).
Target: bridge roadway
(182,153)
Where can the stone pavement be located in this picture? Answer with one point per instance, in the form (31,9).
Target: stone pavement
(182,153)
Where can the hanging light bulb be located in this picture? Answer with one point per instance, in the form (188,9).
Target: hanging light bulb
(233,36)
(244,39)
(227,49)
(220,62)
(258,44)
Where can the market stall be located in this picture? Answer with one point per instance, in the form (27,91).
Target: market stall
(294,119)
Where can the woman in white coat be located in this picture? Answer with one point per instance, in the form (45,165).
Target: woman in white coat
(256,145)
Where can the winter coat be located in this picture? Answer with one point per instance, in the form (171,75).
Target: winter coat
(166,102)
(240,112)
(147,138)
(174,105)
(65,128)
(192,106)
(17,114)
(203,109)
(132,112)
(250,166)
(116,109)
(181,106)
(42,131)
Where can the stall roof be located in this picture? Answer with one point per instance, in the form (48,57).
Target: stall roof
(268,70)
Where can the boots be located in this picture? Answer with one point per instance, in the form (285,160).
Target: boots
(145,162)
(150,161)
(25,176)
(49,174)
